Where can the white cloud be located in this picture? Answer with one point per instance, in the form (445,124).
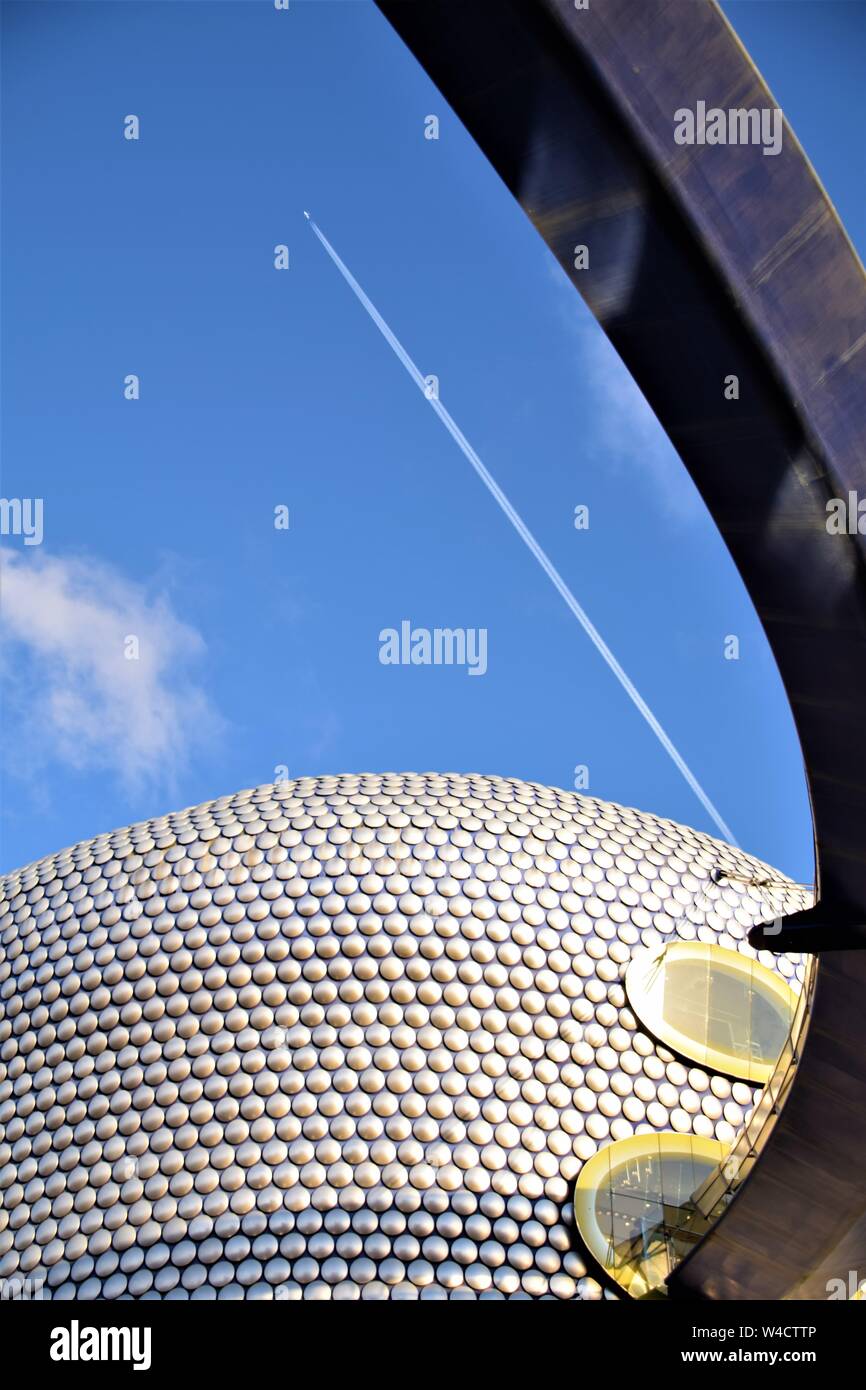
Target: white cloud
(73,695)
(623,423)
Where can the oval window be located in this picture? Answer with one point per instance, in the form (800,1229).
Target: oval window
(716,1007)
(634,1205)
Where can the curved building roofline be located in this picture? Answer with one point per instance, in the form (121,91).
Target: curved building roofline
(705,262)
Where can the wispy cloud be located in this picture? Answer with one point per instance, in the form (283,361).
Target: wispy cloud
(627,432)
(97,673)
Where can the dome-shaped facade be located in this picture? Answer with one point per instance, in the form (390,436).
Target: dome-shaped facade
(346,1037)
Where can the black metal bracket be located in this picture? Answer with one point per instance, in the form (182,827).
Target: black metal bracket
(828,926)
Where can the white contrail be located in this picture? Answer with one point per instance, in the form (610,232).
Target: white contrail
(526,535)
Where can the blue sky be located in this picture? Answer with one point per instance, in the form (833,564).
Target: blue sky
(259,647)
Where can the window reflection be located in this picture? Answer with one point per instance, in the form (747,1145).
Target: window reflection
(635,1205)
(714,1006)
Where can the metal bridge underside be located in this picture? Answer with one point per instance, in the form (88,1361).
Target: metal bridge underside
(707,261)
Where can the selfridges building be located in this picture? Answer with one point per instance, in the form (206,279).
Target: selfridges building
(401,1036)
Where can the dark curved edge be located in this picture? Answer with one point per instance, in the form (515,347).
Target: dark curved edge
(707,261)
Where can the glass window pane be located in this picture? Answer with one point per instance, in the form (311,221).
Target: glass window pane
(725,1011)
